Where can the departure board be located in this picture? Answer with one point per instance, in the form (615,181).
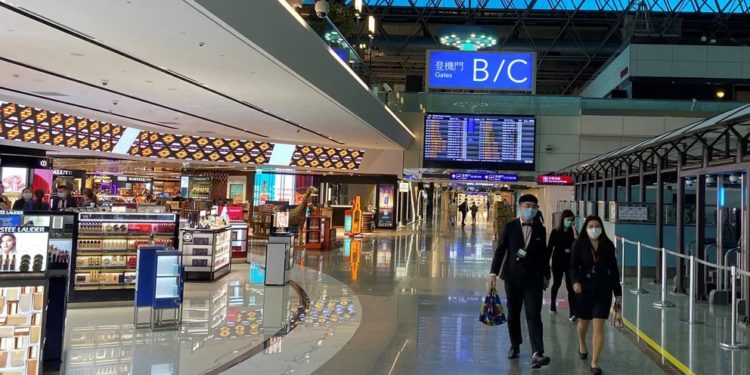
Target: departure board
(479,141)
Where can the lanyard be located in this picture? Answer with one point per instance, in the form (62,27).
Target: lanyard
(594,255)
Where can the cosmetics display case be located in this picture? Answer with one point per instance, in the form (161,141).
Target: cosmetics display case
(206,252)
(105,252)
(23,306)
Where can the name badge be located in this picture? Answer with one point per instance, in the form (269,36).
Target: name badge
(521,253)
(567,251)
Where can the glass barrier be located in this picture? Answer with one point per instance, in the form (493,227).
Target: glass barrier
(670,212)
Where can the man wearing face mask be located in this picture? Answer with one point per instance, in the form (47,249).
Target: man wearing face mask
(63,200)
(521,262)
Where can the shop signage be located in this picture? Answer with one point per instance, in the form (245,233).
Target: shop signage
(62,172)
(497,71)
(489,177)
(133,179)
(403,187)
(554,180)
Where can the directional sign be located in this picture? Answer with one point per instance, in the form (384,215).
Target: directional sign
(489,177)
(497,71)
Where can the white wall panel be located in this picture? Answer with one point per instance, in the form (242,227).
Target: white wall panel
(601,125)
(638,125)
(566,144)
(558,125)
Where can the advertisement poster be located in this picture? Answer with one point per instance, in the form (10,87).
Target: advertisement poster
(23,249)
(236,192)
(385,206)
(14,179)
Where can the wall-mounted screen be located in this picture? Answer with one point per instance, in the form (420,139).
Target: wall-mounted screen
(466,141)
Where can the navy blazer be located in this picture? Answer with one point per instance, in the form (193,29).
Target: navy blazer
(532,268)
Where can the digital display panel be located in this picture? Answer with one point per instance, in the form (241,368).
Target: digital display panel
(554,180)
(479,141)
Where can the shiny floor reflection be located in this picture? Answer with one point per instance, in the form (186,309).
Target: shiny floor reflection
(421,289)
(221,321)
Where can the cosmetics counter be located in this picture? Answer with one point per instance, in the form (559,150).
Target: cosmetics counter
(105,252)
(206,252)
(32,297)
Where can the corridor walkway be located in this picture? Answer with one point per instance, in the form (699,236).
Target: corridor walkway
(420,290)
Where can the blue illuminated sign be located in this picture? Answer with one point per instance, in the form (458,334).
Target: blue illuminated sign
(498,71)
(342,54)
(489,177)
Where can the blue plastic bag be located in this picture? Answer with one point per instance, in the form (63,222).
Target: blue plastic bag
(493,312)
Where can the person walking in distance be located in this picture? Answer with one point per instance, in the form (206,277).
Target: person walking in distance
(474,210)
(452,212)
(596,277)
(521,261)
(560,244)
(464,208)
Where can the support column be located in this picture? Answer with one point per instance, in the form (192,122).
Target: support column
(659,217)
(700,234)
(680,230)
(744,262)
(642,182)
(628,197)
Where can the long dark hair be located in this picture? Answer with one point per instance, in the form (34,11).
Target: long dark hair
(584,237)
(563,215)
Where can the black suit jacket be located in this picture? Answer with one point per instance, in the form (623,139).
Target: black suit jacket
(56,202)
(514,269)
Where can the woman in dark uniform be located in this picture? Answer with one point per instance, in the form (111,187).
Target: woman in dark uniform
(593,268)
(560,244)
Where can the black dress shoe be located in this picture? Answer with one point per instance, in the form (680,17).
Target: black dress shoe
(583,355)
(514,352)
(596,371)
(552,308)
(539,360)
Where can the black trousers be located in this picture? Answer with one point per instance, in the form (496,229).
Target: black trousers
(557,277)
(529,298)
(463,217)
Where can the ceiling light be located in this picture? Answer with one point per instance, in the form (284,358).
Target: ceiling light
(720,94)
(371,25)
(358,6)
(468,38)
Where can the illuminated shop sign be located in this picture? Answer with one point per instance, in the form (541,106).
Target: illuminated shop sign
(554,180)
(497,71)
(489,177)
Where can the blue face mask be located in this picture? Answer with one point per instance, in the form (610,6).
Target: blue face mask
(529,213)
(568,223)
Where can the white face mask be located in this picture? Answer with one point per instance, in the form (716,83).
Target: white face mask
(27,196)
(594,233)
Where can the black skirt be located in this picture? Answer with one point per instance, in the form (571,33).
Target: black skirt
(593,304)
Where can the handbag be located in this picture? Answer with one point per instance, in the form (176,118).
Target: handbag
(615,318)
(492,312)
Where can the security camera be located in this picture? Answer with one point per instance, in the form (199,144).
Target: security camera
(734,178)
(115,102)
(105,82)
(322,8)
(387,87)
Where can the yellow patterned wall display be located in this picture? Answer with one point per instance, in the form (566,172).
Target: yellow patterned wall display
(33,125)
(185,147)
(327,157)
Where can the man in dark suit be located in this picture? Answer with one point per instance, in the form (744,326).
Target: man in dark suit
(463,208)
(63,200)
(521,262)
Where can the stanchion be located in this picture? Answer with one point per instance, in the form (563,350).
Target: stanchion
(622,260)
(638,289)
(664,303)
(691,296)
(734,344)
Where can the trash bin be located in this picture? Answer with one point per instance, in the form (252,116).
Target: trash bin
(279,258)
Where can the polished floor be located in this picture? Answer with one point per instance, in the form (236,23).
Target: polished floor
(403,302)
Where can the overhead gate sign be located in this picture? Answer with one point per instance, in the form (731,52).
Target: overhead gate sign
(496,71)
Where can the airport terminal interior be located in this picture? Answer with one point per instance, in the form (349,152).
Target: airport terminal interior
(374,187)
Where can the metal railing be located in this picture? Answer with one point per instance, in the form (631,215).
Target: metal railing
(734,273)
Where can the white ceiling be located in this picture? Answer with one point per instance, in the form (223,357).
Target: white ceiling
(178,36)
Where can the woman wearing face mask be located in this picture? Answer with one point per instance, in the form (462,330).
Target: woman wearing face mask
(25,201)
(89,198)
(560,244)
(593,268)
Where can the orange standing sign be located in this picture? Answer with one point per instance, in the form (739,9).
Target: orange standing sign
(356,216)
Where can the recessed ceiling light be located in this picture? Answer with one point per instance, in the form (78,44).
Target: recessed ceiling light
(77,54)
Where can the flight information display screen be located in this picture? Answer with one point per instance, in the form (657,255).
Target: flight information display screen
(479,141)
